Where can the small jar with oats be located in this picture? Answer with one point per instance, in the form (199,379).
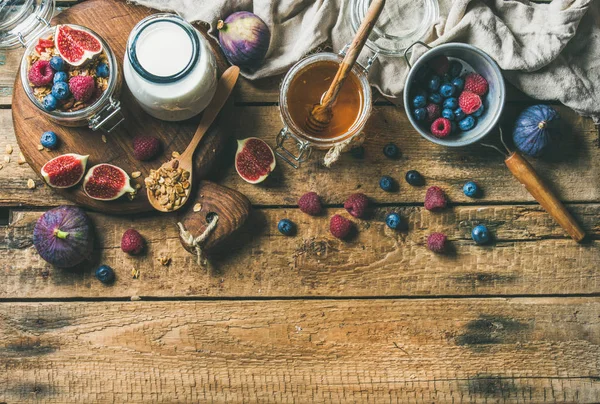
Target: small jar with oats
(68,71)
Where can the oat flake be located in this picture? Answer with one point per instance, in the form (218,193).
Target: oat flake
(30,184)
(9,149)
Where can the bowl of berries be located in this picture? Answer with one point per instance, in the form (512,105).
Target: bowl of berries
(454,94)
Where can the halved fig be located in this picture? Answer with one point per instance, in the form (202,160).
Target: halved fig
(76,46)
(105,182)
(254,160)
(64,171)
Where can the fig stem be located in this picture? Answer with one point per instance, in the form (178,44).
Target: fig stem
(60,234)
(542,124)
(220,25)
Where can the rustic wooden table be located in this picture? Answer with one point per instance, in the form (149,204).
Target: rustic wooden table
(311,318)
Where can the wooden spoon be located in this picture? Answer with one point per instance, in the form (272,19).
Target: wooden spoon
(321,115)
(184,161)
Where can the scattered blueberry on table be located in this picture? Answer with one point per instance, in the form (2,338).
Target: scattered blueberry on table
(414,178)
(105,274)
(480,234)
(386,183)
(286,227)
(471,189)
(393,220)
(392,151)
(49,140)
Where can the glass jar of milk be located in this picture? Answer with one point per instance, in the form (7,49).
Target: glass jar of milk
(169,67)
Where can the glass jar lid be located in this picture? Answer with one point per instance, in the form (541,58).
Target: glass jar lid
(401,23)
(21,21)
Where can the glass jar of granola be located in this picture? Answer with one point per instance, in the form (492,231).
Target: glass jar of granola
(71,75)
(68,71)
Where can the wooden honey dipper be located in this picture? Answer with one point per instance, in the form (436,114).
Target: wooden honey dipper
(321,114)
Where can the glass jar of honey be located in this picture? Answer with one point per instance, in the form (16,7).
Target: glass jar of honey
(303,87)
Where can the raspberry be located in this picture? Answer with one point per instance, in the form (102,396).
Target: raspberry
(357,204)
(82,87)
(435,198)
(40,73)
(436,242)
(132,242)
(145,147)
(339,226)
(310,203)
(433,112)
(440,65)
(476,83)
(441,127)
(469,102)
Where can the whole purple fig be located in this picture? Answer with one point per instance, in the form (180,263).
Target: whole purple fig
(63,236)
(244,38)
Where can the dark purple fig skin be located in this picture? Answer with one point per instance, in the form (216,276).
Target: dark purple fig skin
(535,129)
(70,251)
(244,38)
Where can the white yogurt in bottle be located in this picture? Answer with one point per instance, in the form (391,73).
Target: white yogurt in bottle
(169,68)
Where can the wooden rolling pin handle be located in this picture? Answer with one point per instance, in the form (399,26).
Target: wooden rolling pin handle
(358,43)
(527,176)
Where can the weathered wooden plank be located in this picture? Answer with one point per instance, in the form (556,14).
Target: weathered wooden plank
(572,171)
(531,255)
(442,350)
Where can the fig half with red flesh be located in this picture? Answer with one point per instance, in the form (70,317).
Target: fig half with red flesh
(64,171)
(76,46)
(105,182)
(254,160)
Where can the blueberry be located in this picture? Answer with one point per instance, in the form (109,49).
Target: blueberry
(479,112)
(448,114)
(286,227)
(459,114)
(420,114)
(50,102)
(455,68)
(358,152)
(413,177)
(387,183)
(57,64)
(447,90)
(391,150)
(451,103)
(435,98)
(49,140)
(434,83)
(480,234)
(471,189)
(60,90)
(419,101)
(61,77)
(105,274)
(458,83)
(102,70)
(467,123)
(393,220)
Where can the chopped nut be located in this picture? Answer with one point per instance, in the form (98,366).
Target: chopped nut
(9,149)
(175,154)
(1,166)
(7,159)
(30,184)
(40,147)
(135,298)
(164,260)
(197,207)
(138,186)
(135,174)
(135,273)
(21,159)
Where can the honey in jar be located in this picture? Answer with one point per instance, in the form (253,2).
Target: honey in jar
(307,89)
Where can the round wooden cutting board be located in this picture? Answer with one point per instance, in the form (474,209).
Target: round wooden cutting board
(114,20)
